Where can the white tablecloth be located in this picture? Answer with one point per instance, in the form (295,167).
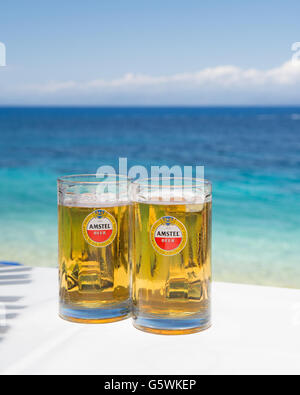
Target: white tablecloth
(256,330)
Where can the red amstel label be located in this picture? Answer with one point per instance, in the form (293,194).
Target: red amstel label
(99,228)
(168,236)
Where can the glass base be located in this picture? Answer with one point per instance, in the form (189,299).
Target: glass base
(95,316)
(174,326)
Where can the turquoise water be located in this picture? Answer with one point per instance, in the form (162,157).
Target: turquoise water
(252,155)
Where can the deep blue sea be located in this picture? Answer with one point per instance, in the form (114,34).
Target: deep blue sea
(252,156)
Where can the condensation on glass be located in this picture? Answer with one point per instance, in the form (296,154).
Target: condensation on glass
(94,255)
(172,255)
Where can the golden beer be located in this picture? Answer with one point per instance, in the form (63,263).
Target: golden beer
(172,266)
(94,263)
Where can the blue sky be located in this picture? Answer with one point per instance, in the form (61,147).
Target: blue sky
(142,52)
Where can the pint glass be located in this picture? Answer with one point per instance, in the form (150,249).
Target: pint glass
(94,267)
(172,255)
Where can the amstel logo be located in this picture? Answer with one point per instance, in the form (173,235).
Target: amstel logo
(99,228)
(168,236)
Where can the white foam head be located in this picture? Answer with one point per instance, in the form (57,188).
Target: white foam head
(94,200)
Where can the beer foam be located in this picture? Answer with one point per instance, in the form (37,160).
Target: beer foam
(167,198)
(93,200)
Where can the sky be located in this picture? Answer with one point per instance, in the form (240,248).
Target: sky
(159,52)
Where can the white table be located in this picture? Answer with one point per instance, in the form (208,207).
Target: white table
(256,331)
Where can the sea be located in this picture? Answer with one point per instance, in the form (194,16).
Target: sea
(251,155)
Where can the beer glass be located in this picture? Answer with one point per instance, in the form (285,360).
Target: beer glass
(172,255)
(94,266)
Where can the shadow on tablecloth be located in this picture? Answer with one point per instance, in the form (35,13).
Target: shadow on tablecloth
(11,278)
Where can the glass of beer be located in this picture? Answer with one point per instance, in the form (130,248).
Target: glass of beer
(94,262)
(172,255)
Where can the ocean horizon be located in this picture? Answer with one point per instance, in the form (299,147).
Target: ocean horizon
(251,155)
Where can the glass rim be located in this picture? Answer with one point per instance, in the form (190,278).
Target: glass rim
(75,179)
(147,182)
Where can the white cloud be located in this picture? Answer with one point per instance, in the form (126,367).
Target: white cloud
(216,85)
(222,76)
